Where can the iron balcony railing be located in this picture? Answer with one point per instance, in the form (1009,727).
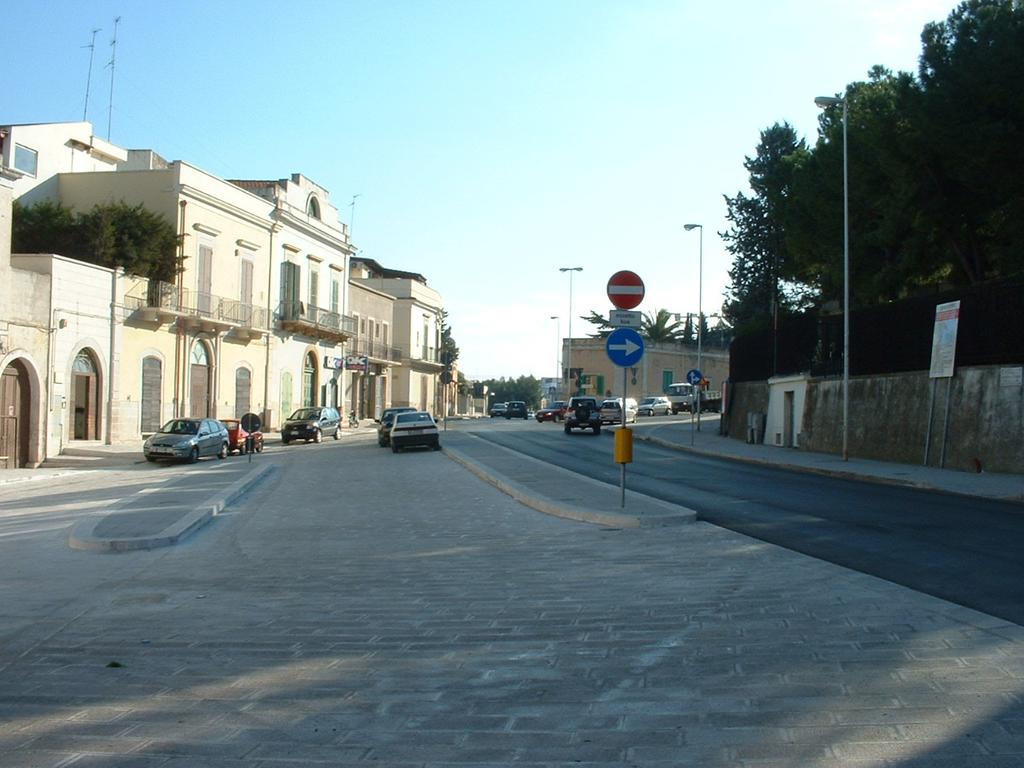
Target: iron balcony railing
(375,349)
(175,300)
(315,319)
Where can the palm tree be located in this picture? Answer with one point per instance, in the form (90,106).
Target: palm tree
(660,326)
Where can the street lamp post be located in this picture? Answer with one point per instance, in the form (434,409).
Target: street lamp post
(825,102)
(700,314)
(568,355)
(558,350)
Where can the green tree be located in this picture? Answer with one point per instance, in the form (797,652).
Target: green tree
(660,326)
(111,235)
(449,349)
(525,388)
(601,322)
(756,238)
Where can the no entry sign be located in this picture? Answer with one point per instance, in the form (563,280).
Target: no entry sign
(625,289)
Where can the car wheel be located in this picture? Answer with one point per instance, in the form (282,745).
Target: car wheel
(151,458)
(284,441)
(337,433)
(568,429)
(194,456)
(223,452)
(597,429)
(318,436)
(395,449)
(259,447)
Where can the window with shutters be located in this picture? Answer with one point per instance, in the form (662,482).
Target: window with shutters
(152,382)
(290,301)
(243,391)
(314,286)
(667,379)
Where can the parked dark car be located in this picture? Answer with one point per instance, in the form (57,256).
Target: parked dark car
(414,429)
(516,409)
(387,419)
(311,424)
(554,412)
(498,409)
(187,440)
(237,436)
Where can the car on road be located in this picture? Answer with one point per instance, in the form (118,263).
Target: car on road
(611,411)
(516,409)
(311,424)
(387,420)
(554,412)
(187,440)
(498,409)
(582,413)
(654,406)
(412,429)
(237,437)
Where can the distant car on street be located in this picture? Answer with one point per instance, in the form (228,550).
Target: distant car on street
(498,409)
(516,409)
(237,437)
(387,420)
(187,440)
(654,406)
(416,428)
(582,413)
(554,412)
(611,411)
(311,424)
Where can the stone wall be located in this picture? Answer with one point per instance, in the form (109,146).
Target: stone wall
(889,418)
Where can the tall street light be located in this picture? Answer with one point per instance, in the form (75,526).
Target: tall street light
(700,313)
(568,355)
(558,352)
(824,102)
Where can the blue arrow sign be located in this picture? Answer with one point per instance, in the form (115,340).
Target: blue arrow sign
(694,376)
(625,347)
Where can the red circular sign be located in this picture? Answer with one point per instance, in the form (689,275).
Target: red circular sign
(626,289)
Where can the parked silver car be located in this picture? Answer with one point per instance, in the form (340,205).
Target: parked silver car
(414,428)
(654,406)
(187,440)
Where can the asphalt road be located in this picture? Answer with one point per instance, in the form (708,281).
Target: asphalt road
(965,550)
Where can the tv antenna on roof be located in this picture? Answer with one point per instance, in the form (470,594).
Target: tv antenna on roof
(113,56)
(88,80)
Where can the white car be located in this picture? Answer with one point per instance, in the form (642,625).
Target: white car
(654,406)
(414,428)
(611,411)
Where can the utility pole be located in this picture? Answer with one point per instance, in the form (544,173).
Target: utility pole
(88,80)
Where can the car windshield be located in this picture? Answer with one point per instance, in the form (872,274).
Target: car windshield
(305,413)
(181,427)
(411,418)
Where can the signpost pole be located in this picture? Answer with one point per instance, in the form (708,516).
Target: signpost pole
(622,476)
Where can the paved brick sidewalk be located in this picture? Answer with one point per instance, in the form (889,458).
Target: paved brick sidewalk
(342,618)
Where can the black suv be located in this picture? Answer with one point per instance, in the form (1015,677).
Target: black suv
(311,424)
(583,413)
(516,409)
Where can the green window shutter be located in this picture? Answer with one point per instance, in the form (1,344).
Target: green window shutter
(599,390)
(667,378)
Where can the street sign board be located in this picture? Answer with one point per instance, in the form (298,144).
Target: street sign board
(625,347)
(357,363)
(947,317)
(624,318)
(625,289)
(694,376)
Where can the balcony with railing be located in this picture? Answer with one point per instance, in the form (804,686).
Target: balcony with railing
(425,358)
(156,301)
(376,351)
(310,320)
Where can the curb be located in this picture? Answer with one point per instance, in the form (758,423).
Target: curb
(672,513)
(81,536)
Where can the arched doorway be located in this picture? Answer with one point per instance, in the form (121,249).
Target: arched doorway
(15,391)
(309,383)
(199,381)
(85,401)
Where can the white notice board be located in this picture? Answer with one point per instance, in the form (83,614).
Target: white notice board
(944,340)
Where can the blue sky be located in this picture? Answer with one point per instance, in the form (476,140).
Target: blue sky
(490,143)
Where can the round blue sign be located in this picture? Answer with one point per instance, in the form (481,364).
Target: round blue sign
(625,347)
(694,377)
